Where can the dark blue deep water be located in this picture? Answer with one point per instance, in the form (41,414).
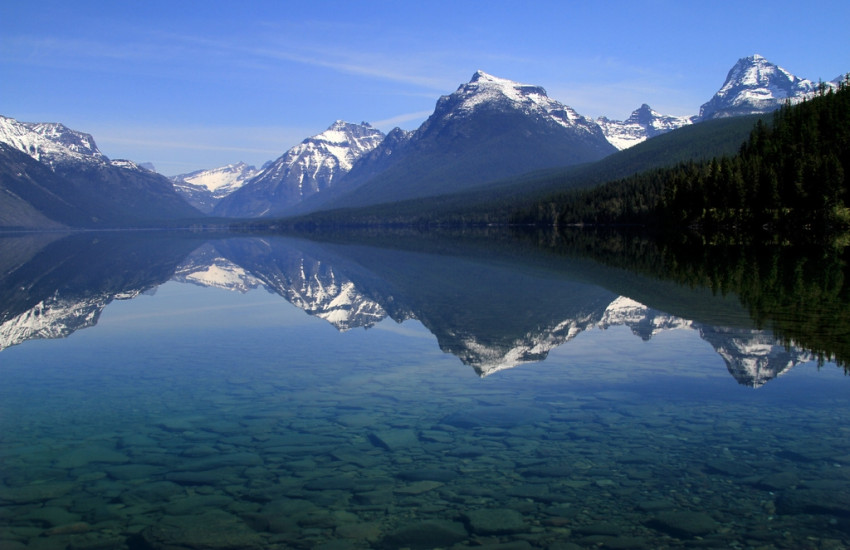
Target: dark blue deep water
(241,393)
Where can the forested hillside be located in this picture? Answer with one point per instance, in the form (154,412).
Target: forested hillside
(789,174)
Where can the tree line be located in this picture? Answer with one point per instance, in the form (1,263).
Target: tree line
(789,174)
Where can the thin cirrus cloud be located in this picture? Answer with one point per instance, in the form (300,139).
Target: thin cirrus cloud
(390,123)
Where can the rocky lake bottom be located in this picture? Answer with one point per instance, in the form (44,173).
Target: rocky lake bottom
(140,435)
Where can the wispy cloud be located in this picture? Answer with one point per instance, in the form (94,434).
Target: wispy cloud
(392,122)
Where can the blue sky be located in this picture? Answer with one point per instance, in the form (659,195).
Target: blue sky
(190,85)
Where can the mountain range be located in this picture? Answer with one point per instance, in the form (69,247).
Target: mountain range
(489,129)
(54,286)
(58,177)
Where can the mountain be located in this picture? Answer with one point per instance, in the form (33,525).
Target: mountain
(644,123)
(203,189)
(490,128)
(49,142)
(755,85)
(309,168)
(52,176)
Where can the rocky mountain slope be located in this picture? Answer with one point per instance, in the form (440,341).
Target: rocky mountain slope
(489,128)
(53,175)
(311,167)
(644,123)
(203,189)
(755,85)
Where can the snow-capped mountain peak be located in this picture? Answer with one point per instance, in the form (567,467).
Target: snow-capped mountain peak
(487,91)
(755,85)
(642,124)
(306,169)
(220,181)
(342,141)
(49,141)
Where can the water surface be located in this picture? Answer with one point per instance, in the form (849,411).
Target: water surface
(283,393)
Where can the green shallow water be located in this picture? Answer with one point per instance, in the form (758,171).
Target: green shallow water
(201,418)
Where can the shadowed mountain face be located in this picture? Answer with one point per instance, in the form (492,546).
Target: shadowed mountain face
(494,305)
(52,176)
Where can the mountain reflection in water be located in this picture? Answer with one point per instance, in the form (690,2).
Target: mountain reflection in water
(493,305)
(212,412)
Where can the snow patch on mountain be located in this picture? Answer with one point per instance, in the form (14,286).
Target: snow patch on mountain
(486,90)
(755,85)
(219,181)
(317,160)
(308,168)
(49,142)
(642,124)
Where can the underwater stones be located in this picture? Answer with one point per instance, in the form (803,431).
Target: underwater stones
(467,451)
(655,505)
(126,472)
(199,451)
(831,501)
(616,543)
(177,425)
(729,467)
(192,504)
(212,530)
(356,420)
(244,459)
(69,529)
(394,440)
(378,497)
(550,470)
(495,521)
(601,528)
(206,477)
(430,474)
(157,491)
(51,516)
(778,481)
(424,535)
(684,523)
(36,492)
(418,487)
(89,455)
(331,483)
(537,492)
(368,531)
(358,459)
(496,416)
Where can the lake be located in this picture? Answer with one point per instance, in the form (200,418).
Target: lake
(438,390)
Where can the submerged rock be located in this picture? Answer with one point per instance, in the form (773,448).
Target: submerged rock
(502,417)
(495,521)
(684,523)
(212,530)
(425,535)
